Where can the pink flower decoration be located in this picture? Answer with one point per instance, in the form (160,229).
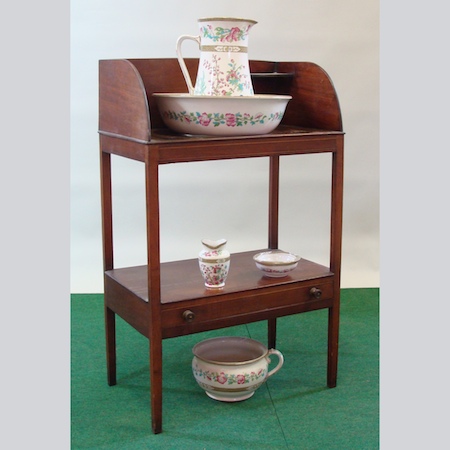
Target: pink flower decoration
(204,120)
(232,75)
(240,379)
(230,120)
(222,379)
(234,34)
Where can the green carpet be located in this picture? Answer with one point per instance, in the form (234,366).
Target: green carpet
(293,410)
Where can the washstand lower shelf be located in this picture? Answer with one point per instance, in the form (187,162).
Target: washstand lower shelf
(188,307)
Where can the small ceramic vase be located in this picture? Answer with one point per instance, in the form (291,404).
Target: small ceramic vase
(214,263)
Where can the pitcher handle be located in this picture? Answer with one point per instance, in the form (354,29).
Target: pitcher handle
(181,60)
(280,361)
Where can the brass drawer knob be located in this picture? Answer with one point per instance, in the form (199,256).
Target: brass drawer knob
(188,316)
(315,292)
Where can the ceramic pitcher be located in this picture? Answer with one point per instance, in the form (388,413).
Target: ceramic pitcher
(223,67)
(214,263)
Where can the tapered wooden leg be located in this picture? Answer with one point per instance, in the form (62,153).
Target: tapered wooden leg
(272,333)
(333,341)
(154,287)
(335,258)
(156,385)
(110,327)
(107,233)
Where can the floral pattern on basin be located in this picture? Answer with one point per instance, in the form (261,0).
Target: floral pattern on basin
(227,119)
(229,379)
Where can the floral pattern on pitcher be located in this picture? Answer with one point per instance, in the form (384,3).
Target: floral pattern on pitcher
(233,81)
(219,34)
(229,379)
(212,254)
(214,274)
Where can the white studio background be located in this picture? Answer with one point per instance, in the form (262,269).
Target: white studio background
(229,198)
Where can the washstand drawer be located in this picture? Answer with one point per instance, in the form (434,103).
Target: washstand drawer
(289,300)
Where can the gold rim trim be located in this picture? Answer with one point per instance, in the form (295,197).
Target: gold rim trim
(226,19)
(295,259)
(221,99)
(230,339)
(214,244)
(233,363)
(213,261)
(229,390)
